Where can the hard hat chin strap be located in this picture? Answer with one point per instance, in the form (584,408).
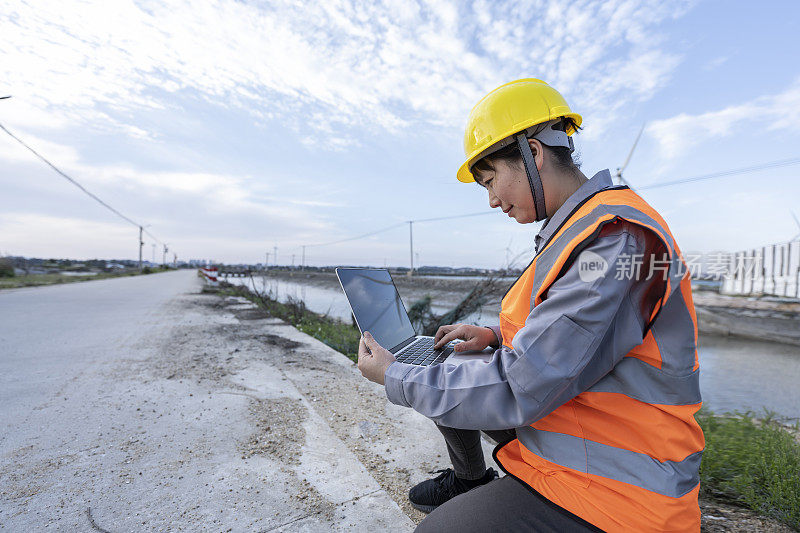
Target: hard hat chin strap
(534,180)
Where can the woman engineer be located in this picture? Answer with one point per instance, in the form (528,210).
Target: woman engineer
(593,386)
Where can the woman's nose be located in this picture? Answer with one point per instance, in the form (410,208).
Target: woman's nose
(494,201)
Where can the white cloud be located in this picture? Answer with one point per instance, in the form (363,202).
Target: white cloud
(11,150)
(35,234)
(716,63)
(329,68)
(334,73)
(675,135)
(207,193)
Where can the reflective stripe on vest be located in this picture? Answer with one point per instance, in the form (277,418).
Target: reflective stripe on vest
(624,454)
(670,478)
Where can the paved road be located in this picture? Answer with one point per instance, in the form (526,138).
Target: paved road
(50,336)
(137,404)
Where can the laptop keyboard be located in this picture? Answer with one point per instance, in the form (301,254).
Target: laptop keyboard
(421,352)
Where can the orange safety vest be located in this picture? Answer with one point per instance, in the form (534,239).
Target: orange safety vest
(625,454)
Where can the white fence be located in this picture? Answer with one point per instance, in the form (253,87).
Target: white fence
(770,270)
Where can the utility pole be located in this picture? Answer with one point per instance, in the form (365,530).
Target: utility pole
(164,258)
(141,243)
(275,255)
(411,246)
(175,260)
(304,258)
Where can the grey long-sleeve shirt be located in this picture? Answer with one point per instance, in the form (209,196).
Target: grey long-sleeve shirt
(570,340)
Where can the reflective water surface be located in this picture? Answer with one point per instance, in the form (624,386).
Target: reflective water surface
(744,375)
(736,374)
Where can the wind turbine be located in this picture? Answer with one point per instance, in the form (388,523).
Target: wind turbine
(796,221)
(508,253)
(620,170)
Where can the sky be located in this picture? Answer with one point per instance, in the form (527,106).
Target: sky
(236,128)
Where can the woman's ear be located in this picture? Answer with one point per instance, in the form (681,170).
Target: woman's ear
(538,152)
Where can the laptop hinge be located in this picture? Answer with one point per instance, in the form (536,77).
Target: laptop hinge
(403,344)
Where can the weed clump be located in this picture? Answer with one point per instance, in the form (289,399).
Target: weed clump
(338,335)
(6,268)
(752,462)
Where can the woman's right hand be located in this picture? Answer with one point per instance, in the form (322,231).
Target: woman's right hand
(475,337)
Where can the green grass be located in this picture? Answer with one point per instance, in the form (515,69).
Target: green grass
(35,280)
(338,335)
(752,462)
(6,268)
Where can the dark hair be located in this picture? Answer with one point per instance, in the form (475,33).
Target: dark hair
(511,155)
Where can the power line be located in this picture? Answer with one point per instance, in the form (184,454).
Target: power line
(411,233)
(387,228)
(78,185)
(454,216)
(733,172)
(153,237)
(86,191)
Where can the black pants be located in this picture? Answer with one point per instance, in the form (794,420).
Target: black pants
(465,451)
(502,505)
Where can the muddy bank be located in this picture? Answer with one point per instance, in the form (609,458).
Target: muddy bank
(766,319)
(446,293)
(762,319)
(416,283)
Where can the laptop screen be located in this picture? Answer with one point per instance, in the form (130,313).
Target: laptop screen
(376,305)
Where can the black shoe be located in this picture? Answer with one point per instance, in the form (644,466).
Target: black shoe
(432,493)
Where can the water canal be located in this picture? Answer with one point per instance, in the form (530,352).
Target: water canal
(736,374)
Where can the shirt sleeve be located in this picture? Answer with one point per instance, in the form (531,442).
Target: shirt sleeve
(570,340)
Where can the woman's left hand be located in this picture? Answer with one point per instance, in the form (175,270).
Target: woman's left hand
(373,359)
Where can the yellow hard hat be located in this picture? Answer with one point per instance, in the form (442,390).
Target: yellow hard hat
(510,109)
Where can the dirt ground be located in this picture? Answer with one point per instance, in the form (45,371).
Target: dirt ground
(357,412)
(719,517)
(195,421)
(353,408)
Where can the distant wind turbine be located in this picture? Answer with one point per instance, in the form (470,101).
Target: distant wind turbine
(620,170)
(796,221)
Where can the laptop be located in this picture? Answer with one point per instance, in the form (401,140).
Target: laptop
(377,308)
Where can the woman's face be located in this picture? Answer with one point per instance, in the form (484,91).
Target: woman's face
(508,189)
